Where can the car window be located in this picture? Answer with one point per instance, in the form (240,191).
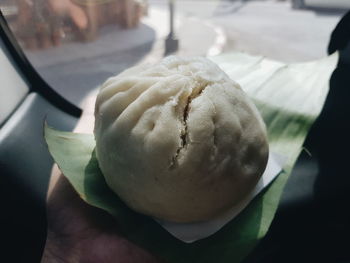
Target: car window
(76,44)
(12,88)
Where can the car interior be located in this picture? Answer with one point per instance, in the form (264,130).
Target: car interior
(312,223)
(26,103)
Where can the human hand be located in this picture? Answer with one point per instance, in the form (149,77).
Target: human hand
(78,232)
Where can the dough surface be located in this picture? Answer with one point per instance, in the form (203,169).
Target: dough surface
(179,140)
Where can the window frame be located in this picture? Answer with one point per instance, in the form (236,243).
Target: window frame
(34,81)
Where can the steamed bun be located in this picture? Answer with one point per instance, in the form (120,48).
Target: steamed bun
(179,140)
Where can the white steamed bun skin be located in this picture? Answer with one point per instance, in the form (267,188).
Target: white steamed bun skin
(179,140)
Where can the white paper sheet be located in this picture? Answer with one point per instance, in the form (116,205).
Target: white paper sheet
(190,232)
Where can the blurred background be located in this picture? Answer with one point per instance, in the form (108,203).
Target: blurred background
(76,44)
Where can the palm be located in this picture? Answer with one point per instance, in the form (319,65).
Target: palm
(80,233)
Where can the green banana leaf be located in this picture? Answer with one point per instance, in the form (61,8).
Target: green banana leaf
(289,97)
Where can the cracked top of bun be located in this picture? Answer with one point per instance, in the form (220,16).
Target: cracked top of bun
(179,140)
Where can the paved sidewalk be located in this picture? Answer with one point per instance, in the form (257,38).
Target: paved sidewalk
(204,27)
(74,68)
